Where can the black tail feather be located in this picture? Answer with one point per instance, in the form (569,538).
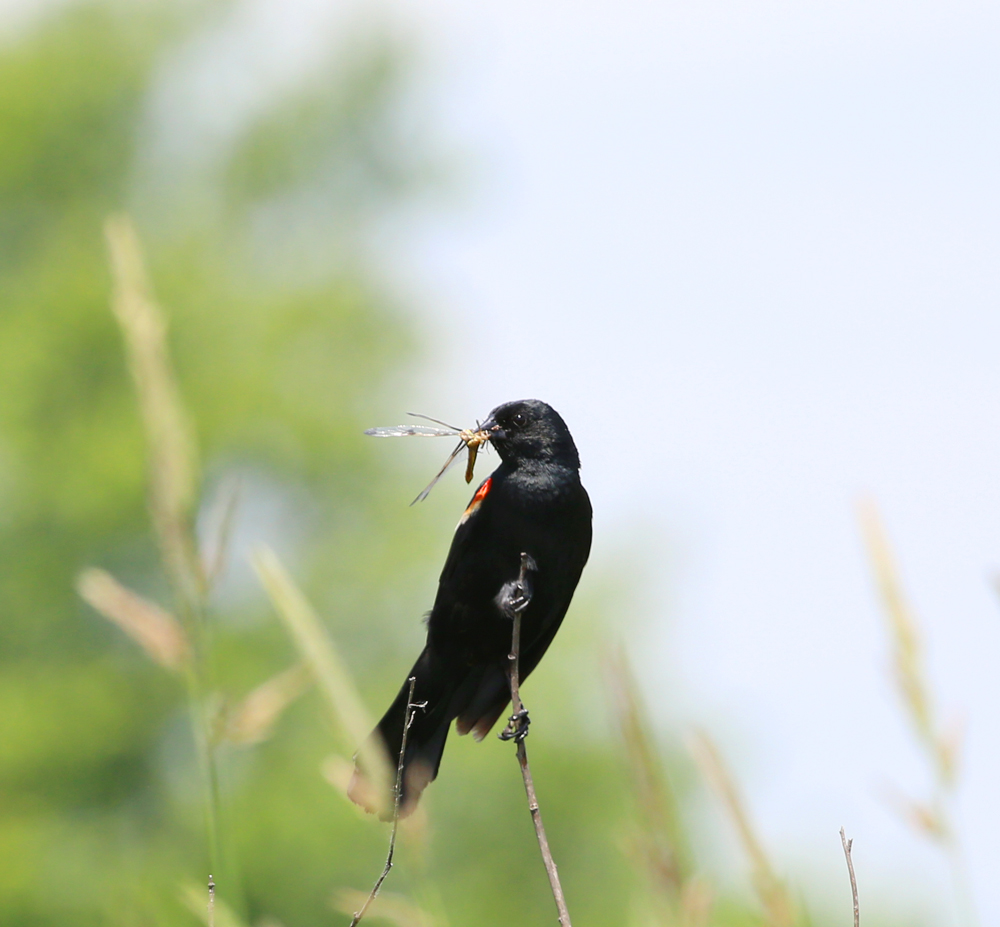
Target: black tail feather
(442,694)
(476,695)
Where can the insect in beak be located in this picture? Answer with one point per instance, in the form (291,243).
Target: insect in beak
(473,441)
(470,439)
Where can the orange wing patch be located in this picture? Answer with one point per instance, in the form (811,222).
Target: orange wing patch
(477,500)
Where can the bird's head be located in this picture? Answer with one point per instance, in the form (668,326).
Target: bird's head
(529,429)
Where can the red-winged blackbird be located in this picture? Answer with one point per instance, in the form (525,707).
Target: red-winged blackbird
(532,503)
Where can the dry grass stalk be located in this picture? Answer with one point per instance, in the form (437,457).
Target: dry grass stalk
(907,656)
(328,668)
(921,817)
(774,897)
(940,745)
(696,903)
(173,481)
(907,649)
(662,844)
(215,556)
(172,465)
(662,847)
(151,627)
(253,719)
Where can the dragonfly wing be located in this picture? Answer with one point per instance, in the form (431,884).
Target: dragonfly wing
(454,456)
(405,431)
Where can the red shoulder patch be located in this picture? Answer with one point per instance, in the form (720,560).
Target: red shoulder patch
(477,500)
(482,492)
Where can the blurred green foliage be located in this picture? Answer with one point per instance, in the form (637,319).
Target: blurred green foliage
(281,364)
(100,817)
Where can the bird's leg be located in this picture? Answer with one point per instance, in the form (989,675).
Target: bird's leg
(515,595)
(513,599)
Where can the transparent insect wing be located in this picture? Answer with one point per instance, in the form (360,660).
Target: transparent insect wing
(454,456)
(470,440)
(406,431)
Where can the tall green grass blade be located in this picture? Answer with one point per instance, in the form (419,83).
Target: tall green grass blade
(172,466)
(318,652)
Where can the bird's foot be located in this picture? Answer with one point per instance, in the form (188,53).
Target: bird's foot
(517,727)
(515,596)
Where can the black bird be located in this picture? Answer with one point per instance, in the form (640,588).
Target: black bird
(532,503)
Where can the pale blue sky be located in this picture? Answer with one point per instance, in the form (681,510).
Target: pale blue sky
(751,252)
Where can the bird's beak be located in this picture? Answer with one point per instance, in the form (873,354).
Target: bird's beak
(493,429)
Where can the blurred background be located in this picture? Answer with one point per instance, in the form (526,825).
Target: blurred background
(748,250)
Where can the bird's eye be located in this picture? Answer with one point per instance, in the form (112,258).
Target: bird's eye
(519,419)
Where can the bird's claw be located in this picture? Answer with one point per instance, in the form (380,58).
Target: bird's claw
(519,600)
(517,727)
(514,598)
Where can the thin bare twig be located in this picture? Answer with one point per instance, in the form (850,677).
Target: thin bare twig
(522,754)
(850,868)
(395,910)
(410,709)
(211,901)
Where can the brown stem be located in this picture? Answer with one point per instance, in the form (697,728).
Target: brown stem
(850,868)
(522,758)
(410,708)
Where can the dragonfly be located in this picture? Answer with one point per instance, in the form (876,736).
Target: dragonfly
(470,439)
